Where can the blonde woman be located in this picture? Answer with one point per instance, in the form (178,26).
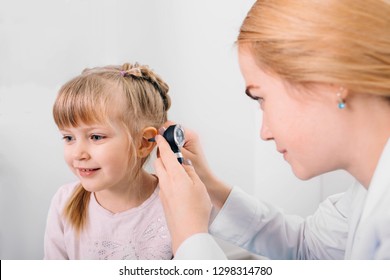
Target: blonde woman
(106,116)
(320,71)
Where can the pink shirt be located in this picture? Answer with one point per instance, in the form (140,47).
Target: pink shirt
(137,233)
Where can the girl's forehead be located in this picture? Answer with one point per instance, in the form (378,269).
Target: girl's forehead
(90,126)
(111,128)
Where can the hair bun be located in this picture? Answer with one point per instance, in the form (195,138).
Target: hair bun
(144,72)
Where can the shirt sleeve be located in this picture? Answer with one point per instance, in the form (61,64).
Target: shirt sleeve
(201,246)
(265,230)
(54,240)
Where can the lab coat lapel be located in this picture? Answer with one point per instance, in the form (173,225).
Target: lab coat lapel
(374,209)
(379,189)
(354,220)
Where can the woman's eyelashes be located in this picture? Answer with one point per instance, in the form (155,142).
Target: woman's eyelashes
(258,99)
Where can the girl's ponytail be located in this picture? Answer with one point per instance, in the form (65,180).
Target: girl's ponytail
(75,210)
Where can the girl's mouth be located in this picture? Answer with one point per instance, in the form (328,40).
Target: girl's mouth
(87,172)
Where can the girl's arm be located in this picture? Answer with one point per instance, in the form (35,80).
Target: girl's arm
(54,241)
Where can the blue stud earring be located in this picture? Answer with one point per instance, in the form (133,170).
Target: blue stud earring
(341,103)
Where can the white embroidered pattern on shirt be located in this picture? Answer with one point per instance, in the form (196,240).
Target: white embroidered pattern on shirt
(152,242)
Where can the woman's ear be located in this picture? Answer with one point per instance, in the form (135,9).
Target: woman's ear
(339,95)
(146,146)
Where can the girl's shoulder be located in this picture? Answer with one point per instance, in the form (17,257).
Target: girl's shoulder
(64,192)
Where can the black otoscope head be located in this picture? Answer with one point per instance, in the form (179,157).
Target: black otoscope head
(174,135)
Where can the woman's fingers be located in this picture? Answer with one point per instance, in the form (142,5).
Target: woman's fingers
(161,172)
(184,197)
(168,158)
(192,174)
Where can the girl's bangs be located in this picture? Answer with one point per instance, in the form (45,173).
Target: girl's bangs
(80,105)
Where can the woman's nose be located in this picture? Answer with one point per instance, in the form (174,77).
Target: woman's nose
(265,132)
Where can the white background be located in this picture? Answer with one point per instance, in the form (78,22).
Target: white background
(44,43)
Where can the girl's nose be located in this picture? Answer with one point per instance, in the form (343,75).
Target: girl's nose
(80,151)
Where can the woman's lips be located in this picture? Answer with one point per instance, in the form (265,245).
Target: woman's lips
(283,152)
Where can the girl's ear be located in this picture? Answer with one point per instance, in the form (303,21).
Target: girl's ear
(146,146)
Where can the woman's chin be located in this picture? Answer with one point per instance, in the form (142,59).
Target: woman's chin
(303,174)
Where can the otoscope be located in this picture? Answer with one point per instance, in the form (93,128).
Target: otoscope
(174,135)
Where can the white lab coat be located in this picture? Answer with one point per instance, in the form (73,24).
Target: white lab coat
(351,225)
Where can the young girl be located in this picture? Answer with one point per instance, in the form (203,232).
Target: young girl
(106,116)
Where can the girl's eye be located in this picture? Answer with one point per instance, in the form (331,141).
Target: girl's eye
(67,138)
(96,137)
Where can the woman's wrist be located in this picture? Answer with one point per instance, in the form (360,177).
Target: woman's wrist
(178,240)
(217,190)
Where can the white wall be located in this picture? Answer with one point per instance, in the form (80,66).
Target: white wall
(190,43)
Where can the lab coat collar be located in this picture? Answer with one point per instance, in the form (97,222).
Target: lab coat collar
(379,188)
(369,205)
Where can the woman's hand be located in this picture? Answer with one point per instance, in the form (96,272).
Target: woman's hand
(192,150)
(184,197)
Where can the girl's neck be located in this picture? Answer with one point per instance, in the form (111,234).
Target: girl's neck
(131,196)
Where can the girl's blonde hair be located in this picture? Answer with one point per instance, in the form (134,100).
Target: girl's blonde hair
(132,96)
(344,42)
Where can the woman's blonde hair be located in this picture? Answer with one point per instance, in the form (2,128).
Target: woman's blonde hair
(132,96)
(342,42)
